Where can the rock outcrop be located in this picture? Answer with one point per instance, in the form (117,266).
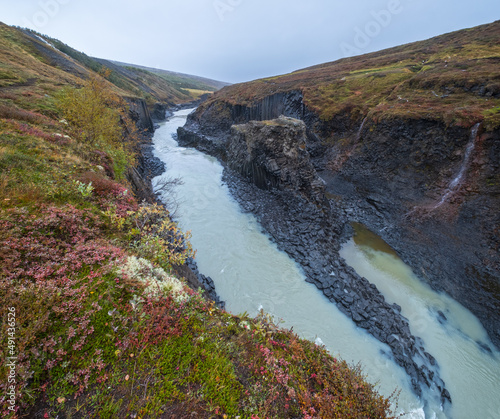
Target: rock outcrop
(388,174)
(160,111)
(272,154)
(270,173)
(140,113)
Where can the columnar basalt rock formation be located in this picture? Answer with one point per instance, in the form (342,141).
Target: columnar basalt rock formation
(394,155)
(380,174)
(271,174)
(272,154)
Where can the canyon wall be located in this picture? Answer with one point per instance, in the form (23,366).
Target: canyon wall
(272,175)
(391,175)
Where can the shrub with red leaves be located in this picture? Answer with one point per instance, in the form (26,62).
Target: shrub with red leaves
(110,193)
(56,244)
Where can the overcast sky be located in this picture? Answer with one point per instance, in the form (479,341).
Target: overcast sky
(241,40)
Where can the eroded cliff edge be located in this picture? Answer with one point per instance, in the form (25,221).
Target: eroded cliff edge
(271,174)
(391,175)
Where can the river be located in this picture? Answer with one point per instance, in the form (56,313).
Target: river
(250,274)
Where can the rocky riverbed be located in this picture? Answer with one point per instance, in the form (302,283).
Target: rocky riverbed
(390,175)
(270,173)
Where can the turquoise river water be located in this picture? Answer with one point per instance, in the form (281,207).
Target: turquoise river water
(250,274)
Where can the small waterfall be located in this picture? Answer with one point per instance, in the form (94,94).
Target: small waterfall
(457,180)
(360,130)
(465,164)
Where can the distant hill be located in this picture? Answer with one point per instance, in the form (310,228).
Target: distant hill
(180,79)
(26,54)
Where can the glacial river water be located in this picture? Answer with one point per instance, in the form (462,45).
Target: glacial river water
(250,273)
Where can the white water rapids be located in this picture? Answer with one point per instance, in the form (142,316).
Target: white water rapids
(251,273)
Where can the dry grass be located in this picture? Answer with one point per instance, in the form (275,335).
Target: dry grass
(196,93)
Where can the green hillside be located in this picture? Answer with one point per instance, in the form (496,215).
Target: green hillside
(128,81)
(179,79)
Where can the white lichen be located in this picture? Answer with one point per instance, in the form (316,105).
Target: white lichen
(157,281)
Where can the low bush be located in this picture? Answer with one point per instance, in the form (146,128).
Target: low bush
(12,112)
(156,237)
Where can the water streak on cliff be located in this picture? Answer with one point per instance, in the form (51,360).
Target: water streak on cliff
(360,131)
(458,179)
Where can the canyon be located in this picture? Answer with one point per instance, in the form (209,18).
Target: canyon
(427,185)
(399,147)
(395,175)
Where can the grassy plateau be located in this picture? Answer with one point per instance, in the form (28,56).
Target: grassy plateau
(452,78)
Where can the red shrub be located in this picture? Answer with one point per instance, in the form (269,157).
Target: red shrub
(55,245)
(110,193)
(11,112)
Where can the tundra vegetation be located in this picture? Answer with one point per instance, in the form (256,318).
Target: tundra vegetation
(103,327)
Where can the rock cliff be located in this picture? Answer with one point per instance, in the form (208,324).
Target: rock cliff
(390,175)
(272,154)
(407,141)
(140,113)
(271,174)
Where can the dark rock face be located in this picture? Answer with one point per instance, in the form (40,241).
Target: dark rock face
(270,173)
(139,113)
(388,175)
(393,182)
(210,145)
(149,166)
(217,119)
(160,111)
(197,280)
(273,154)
